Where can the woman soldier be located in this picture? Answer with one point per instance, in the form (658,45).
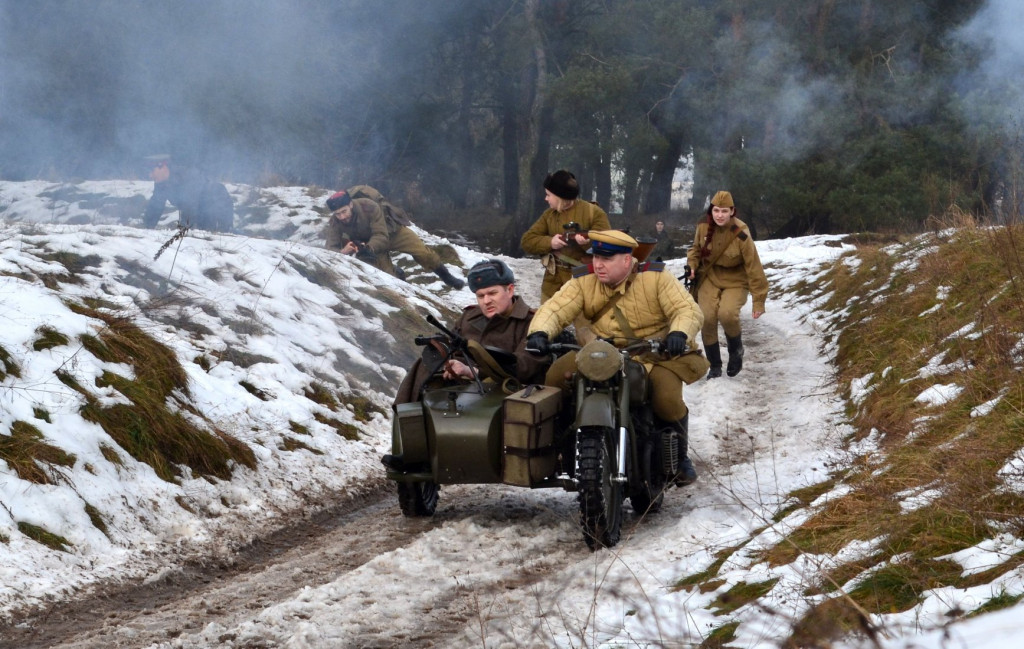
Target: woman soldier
(723,267)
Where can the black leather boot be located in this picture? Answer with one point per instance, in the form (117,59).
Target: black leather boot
(686,474)
(714,354)
(735,355)
(449,279)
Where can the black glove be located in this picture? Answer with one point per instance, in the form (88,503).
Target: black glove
(675,343)
(538,343)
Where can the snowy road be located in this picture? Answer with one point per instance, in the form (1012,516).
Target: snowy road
(498,562)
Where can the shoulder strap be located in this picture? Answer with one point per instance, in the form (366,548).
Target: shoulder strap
(610,304)
(732,230)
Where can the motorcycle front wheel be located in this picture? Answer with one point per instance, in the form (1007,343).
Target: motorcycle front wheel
(418,498)
(599,497)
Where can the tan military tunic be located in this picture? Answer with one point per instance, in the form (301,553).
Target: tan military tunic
(537,241)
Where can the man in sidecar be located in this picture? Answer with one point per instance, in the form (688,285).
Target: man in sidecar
(627,300)
(495,329)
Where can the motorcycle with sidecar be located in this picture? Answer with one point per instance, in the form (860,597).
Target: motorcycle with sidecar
(602,441)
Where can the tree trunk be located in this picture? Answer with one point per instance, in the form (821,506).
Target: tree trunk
(509,154)
(659,194)
(533,157)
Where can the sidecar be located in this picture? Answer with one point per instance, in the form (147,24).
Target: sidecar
(475,433)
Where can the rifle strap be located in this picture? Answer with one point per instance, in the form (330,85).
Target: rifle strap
(619,316)
(735,231)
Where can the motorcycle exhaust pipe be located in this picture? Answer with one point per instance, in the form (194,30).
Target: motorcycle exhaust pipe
(623,436)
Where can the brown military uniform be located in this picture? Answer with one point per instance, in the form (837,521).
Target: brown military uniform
(378,236)
(537,241)
(653,303)
(507,333)
(726,284)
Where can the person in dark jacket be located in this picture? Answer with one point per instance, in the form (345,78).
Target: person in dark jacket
(361,227)
(665,248)
(499,321)
(202,203)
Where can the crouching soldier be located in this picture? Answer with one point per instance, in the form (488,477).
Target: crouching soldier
(361,227)
(626,301)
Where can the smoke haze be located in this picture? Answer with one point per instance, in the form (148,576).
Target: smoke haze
(88,87)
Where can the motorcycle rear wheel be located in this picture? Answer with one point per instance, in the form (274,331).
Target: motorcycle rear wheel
(418,498)
(600,499)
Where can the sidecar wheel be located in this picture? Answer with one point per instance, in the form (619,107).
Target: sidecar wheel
(418,498)
(600,499)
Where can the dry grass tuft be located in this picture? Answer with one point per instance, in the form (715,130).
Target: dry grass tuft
(43,537)
(346,430)
(148,429)
(47,338)
(31,458)
(8,367)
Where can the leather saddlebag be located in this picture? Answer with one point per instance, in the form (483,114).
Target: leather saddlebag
(528,431)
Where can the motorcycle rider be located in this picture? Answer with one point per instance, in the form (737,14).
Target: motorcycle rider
(499,319)
(626,300)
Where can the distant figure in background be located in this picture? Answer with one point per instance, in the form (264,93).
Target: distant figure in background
(724,269)
(202,203)
(665,247)
(561,249)
(364,228)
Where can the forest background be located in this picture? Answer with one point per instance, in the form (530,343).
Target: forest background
(819,115)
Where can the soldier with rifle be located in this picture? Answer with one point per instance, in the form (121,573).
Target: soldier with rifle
(559,235)
(364,227)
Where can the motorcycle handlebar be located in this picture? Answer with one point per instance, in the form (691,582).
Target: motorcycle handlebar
(637,346)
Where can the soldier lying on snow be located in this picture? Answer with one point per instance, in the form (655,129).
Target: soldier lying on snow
(372,228)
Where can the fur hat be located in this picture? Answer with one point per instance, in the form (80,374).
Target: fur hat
(491,272)
(608,243)
(563,185)
(723,199)
(338,200)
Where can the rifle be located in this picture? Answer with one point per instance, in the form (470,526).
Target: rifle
(572,228)
(641,252)
(363,251)
(456,343)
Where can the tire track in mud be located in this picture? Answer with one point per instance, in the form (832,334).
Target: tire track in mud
(175,610)
(269,568)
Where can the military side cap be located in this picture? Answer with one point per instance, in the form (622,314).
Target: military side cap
(607,243)
(156,160)
(723,199)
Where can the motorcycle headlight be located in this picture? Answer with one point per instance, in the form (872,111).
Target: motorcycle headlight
(599,360)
